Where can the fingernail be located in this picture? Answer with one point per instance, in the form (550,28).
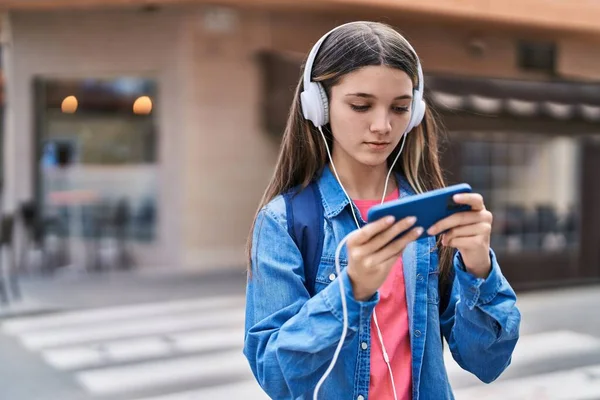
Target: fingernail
(390,219)
(412,220)
(457,197)
(419,231)
(431,230)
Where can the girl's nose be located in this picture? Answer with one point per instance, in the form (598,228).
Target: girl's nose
(381,123)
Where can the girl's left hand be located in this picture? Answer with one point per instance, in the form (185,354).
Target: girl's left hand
(469,232)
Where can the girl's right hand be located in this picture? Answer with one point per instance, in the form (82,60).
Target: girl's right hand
(372,253)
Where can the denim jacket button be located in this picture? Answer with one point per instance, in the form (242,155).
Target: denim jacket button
(364,345)
(331,277)
(417,333)
(360,397)
(419,277)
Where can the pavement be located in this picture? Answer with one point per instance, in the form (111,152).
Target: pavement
(165,334)
(75,289)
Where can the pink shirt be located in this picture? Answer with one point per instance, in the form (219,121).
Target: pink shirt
(392,315)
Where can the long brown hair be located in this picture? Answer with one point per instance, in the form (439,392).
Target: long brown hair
(303,154)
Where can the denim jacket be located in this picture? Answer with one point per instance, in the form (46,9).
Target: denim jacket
(290,337)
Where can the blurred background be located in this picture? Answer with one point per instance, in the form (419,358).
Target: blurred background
(138,136)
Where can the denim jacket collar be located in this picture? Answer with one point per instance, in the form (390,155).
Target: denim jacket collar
(334,198)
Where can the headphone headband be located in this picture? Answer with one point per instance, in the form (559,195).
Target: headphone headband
(317,46)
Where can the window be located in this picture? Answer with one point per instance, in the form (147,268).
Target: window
(97,146)
(537,56)
(530,183)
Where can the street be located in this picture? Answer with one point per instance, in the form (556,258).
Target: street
(154,336)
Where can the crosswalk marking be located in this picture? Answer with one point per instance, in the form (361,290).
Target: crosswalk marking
(159,373)
(580,383)
(94,355)
(539,347)
(242,390)
(548,345)
(111,314)
(38,340)
(195,344)
(115,350)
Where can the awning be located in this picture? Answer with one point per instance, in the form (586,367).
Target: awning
(564,101)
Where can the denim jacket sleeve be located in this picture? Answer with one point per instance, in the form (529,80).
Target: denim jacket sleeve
(481,322)
(290,338)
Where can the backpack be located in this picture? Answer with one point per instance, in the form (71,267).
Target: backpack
(305,221)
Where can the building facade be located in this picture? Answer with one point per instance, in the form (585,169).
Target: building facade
(173,113)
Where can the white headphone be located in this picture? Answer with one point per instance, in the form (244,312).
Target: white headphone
(315,105)
(315,108)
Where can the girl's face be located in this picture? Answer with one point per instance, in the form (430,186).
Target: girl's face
(369,112)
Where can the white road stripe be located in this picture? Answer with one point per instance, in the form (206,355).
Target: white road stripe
(580,383)
(131,328)
(160,373)
(102,337)
(249,390)
(539,347)
(111,314)
(136,349)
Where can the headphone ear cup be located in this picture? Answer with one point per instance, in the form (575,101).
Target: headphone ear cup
(418,112)
(421,114)
(324,104)
(314,104)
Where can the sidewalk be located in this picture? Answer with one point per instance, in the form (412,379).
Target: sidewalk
(73,289)
(574,308)
(559,343)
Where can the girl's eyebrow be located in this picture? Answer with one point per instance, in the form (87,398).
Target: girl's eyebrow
(370,96)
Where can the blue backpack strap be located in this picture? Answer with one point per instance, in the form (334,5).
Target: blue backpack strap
(305,222)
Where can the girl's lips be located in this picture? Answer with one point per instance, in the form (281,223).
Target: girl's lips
(377,145)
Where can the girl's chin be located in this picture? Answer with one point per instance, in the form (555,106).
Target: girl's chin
(373,160)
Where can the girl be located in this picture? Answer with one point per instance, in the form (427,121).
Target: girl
(361,98)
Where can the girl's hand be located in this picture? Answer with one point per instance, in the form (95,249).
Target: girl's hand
(469,232)
(372,252)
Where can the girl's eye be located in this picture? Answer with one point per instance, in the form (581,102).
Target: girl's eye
(365,107)
(400,110)
(359,108)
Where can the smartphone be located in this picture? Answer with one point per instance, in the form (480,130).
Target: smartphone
(429,207)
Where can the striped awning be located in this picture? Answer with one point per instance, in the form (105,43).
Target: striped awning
(564,101)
